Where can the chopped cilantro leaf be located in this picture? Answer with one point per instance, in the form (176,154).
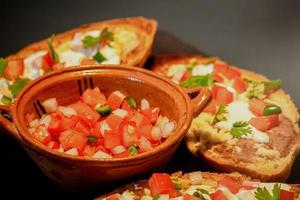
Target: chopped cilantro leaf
(240,128)
(17,86)
(264,194)
(200,80)
(99,57)
(221,114)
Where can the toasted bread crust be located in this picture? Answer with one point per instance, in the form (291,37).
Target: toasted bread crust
(139,186)
(145,28)
(267,173)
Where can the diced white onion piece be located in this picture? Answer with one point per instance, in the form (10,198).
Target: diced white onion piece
(66,111)
(72,152)
(120,113)
(156,133)
(168,129)
(76,43)
(195,177)
(145,144)
(119,94)
(50,105)
(177,76)
(118,149)
(145,104)
(45,120)
(162,122)
(199,70)
(163,197)
(101,154)
(175,68)
(34,123)
(104,127)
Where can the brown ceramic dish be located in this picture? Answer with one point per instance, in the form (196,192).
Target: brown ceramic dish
(76,173)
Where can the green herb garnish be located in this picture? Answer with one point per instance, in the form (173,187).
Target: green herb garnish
(104,110)
(131,102)
(53,53)
(264,194)
(240,128)
(99,57)
(221,114)
(91,139)
(272,85)
(6,100)
(3,64)
(17,86)
(200,80)
(133,150)
(156,197)
(90,41)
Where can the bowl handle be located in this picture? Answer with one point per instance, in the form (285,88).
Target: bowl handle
(200,97)
(6,124)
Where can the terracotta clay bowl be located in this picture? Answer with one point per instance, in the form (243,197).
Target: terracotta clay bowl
(77,173)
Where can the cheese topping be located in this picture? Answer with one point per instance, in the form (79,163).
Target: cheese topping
(33,65)
(71,58)
(111,55)
(202,69)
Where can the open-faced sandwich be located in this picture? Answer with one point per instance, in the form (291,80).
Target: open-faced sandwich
(119,41)
(204,186)
(250,126)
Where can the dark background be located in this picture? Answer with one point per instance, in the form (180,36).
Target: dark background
(260,35)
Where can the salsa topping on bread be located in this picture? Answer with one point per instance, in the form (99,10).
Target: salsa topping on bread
(250,122)
(204,186)
(121,41)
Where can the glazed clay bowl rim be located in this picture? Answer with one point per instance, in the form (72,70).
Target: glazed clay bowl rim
(31,143)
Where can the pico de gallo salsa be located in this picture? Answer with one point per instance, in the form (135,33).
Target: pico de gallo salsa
(100,126)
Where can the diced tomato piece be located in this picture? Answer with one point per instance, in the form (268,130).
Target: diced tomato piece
(41,134)
(145,131)
(218,77)
(185,76)
(89,151)
(113,121)
(211,107)
(218,195)
(69,123)
(122,155)
(114,101)
(140,119)
(221,68)
(232,73)
(113,197)
(82,126)
(92,97)
(13,69)
(160,183)
(112,139)
(239,85)
(257,106)
(55,125)
(85,111)
(155,114)
(286,195)
(230,185)
(222,95)
(129,134)
(265,123)
(47,62)
(190,197)
(72,139)
(151,114)
(52,145)
(126,106)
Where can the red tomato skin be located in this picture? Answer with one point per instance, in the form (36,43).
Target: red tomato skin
(89,151)
(127,107)
(222,95)
(218,195)
(13,69)
(83,110)
(114,101)
(265,123)
(112,139)
(55,127)
(257,106)
(145,131)
(286,195)
(41,134)
(52,145)
(190,197)
(140,119)
(185,76)
(122,155)
(221,68)
(232,73)
(162,184)
(47,62)
(218,77)
(92,97)
(211,107)
(239,85)
(113,121)
(230,185)
(82,126)
(69,123)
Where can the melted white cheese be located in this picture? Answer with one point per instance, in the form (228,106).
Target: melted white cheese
(237,111)
(111,55)
(203,69)
(173,69)
(4,88)
(71,58)
(33,65)
(246,194)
